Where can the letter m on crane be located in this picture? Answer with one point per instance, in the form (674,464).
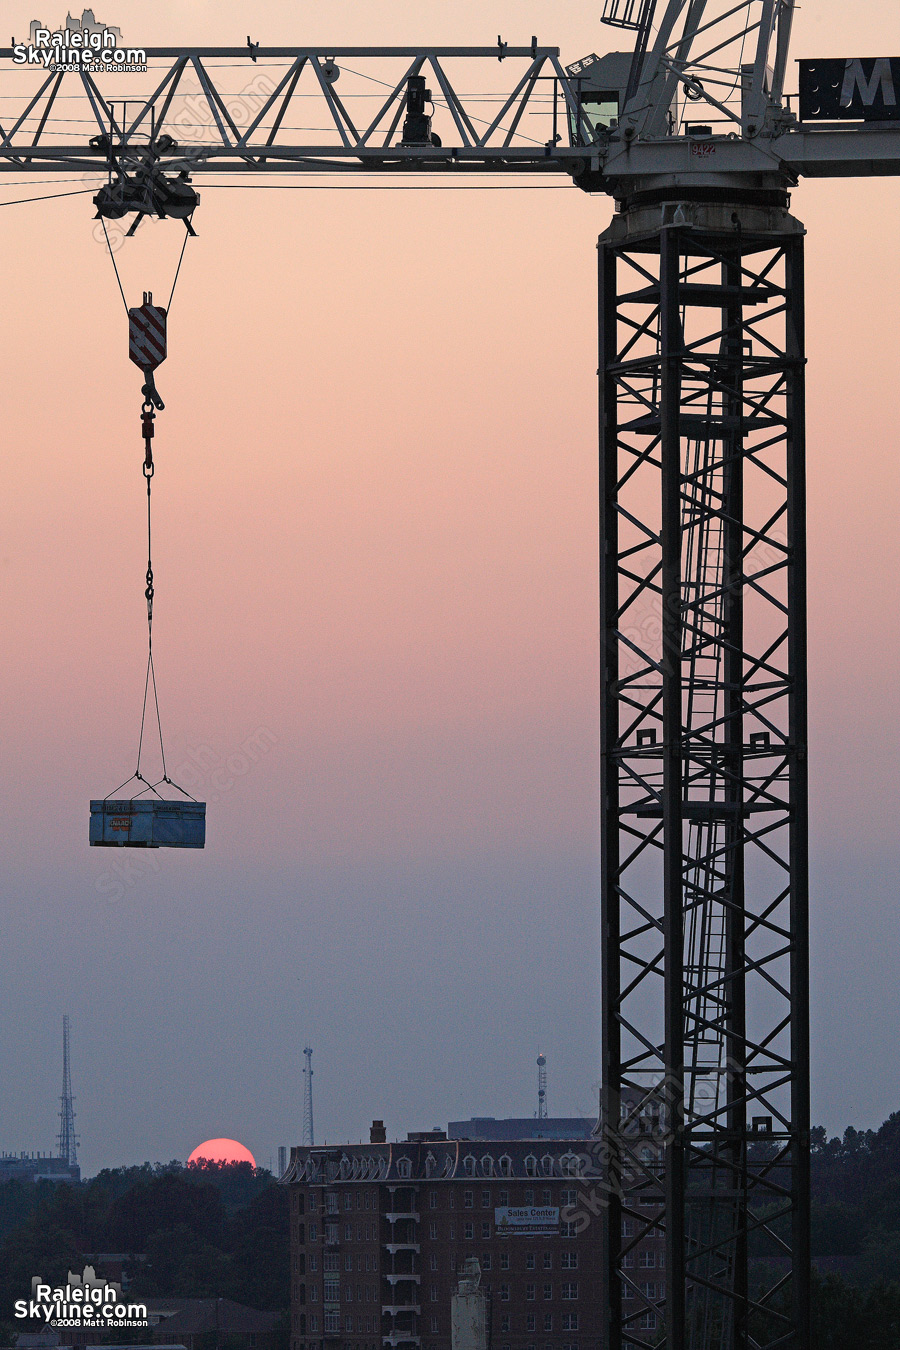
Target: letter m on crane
(868,87)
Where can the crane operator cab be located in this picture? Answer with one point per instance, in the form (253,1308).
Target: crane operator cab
(600,83)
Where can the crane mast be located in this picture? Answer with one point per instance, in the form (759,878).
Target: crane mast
(705,1056)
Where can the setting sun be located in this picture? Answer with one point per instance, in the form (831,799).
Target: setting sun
(222,1151)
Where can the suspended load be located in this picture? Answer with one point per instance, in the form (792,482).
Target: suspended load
(148,819)
(148,822)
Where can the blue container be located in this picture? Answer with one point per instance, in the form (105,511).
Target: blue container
(147,822)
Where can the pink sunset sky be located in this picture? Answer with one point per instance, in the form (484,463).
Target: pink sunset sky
(376,634)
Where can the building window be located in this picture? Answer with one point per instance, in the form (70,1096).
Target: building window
(348,1201)
(485,1199)
(504,1293)
(313,1293)
(503,1198)
(348,1232)
(330,1262)
(567,1196)
(647,1259)
(434,1293)
(529,1260)
(486,1231)
(453,1232)
(504,1260)
(433,1261)
(648,1289)
(628,1260)
(314,1321)
(469,1230)
(432,1232)
(348,1324)
(548,1260)
(348,1262)
(506,1165)
(487,1165)
(529,1292)
(404,1168)
(546,1196)
(628,1228)
(568,1230)
(313,1261)
(485,1260)
(569,1291)
(332,1291)
(434,1326)
(332,1322)
(548,1292)
(648,1321)
(531,1166)
(547,1165)
(432,1199)
(313,1232)
(570,1321)
(569,1260)
(529,1196)
(504,1322)
(348,1294)
(531,1322)
(548,1321)
(468,1199)
(469,1165)
(331,1232)
(331,1203)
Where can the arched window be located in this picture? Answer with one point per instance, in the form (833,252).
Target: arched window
(531,1165)
(404,1168)
(506,1165)
(547,1165)
(469,1165)
(569,1164)
(448,1165)
(430,1165)
(487,1165)
(345,1166)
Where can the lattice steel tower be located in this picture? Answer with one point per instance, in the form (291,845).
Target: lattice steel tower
(67,1141)
(308,1134)
(703,723)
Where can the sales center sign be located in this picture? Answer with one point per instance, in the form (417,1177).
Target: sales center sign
(84,1302)
(84,49)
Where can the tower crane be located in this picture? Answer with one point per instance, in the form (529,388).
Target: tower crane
(705,1058)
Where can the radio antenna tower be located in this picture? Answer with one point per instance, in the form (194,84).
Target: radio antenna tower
(67,1141)
(308,1136)
(542,1087)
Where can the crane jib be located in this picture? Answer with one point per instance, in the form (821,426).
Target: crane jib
(855,89)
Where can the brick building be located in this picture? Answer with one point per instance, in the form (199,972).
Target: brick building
(379,1230)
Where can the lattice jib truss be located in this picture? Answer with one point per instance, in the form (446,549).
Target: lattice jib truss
(704,781)
(288,109)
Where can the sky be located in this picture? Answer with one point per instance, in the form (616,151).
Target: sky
(375,530)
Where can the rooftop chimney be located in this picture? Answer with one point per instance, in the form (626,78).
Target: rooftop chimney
(377,1134)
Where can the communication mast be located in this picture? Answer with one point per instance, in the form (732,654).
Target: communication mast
(308,1134)
(67,1141)
(542,1087)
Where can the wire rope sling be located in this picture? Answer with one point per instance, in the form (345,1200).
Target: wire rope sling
(150,817)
